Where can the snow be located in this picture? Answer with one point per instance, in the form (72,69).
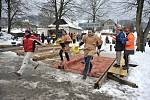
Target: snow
(4,36)
(18,30)
(139,75)
(107,31)
(6,39)
(4,81)
(72,24)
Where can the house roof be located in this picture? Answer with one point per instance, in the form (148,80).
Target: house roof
(66,23)
(109,20)
(60,22)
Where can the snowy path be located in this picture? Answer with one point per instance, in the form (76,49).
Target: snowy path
(45,83)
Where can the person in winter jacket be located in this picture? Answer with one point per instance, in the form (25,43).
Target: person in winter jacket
(107,40)
(48,39)
(66,40)
(129,46)
(91,41)
(53,37)
(149,42)
(119,46)
(42,37)
(29,44)
(74,38)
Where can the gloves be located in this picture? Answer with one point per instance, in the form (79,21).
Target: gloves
(99,47)
(81,43)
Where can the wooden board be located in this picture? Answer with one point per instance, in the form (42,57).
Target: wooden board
(119,70)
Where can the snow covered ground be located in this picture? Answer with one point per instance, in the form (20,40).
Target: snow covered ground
(6,39)
(139,75)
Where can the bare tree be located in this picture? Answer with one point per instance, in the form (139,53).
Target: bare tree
(142,8)
(0,13)
(94,9)
(13,9)
(141,34)
(46,15)
(59,8)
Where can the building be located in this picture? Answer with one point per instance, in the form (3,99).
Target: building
(43,30)
(98,26)
(87,26)
(64,24)
(109,25)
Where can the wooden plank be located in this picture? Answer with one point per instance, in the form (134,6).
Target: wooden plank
(119,70)
(13,48)
(39,50)
(121,81)
(101,78)
(44,55)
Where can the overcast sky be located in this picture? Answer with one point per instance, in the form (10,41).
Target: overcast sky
(114,14)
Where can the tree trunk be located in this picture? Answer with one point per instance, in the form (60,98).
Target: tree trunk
(0,14)
(9,15)
(94,17)
(147,29)
(57,29)
(57,23)
(140,34)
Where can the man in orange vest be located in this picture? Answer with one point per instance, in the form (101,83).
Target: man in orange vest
(29,47)
(129,46)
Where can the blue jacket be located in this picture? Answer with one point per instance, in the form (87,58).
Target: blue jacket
(120,41)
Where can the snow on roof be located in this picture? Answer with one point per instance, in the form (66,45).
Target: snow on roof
(71,24)
(15,30)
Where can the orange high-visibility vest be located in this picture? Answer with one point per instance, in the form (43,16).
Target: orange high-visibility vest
(130,43)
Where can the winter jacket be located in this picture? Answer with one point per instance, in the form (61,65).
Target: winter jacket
(91,42)
(130,43)
(66,39)
(120,42)
(29,44)
(149,42)
(129,47)
(35,37)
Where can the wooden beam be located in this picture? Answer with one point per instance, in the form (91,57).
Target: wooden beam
(98,83)
(43,56)
(121,81)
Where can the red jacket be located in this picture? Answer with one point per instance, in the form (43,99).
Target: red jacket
(35,37)
(28,44)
